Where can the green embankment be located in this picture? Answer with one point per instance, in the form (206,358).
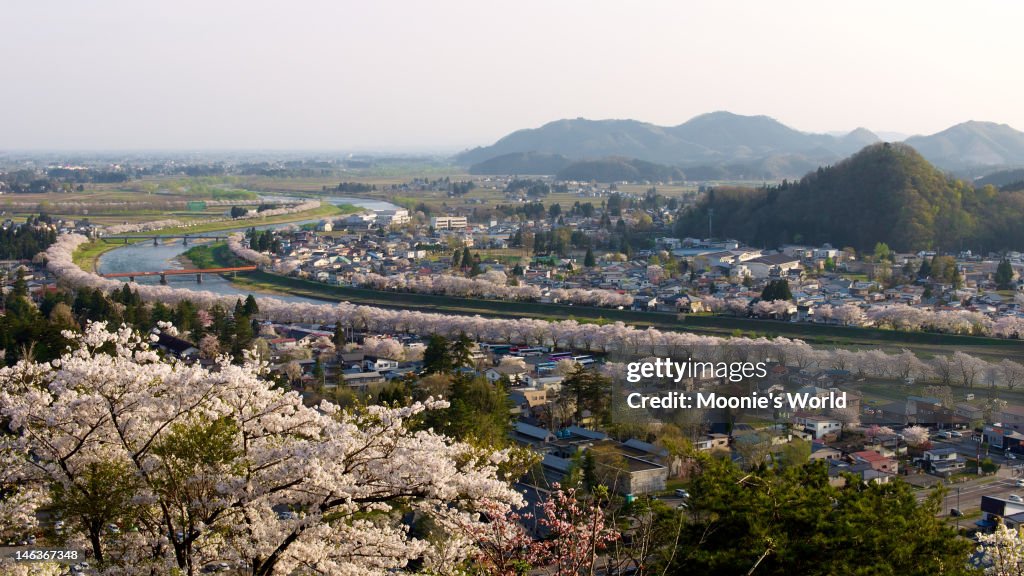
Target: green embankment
(214,255)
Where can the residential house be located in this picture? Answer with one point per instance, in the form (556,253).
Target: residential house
(713,442)
(943,461)
(374,363)
(876,460)
(514,374)
(816,425)
(821,451)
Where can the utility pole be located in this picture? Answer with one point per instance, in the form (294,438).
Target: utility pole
(958,509)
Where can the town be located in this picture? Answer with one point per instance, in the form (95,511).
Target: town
(528,252)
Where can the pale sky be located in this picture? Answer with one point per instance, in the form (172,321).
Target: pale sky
(444,75)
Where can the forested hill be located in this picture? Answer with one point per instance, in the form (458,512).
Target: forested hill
(884,193)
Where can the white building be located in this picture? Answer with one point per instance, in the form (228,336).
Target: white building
(449,222)
(817,425)
(393,217)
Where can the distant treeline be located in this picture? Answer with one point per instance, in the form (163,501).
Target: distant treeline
(24,242)
(353,188)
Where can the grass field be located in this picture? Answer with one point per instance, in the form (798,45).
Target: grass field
(86,255)
(215,255)
(323,211)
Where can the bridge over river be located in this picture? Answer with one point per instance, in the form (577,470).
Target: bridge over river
(157,238)
(163,274)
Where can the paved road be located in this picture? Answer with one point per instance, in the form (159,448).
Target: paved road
(970,493)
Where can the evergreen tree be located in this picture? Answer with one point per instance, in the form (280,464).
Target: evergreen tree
(318,372)
(588,260)
(776,290)
(478,413)
(20,288)
(461,351)
(242,336)
(467,258)
(926,268)
(339,336)
(589,469)
(589,391)
(456,260)
(1004,275)
(791,520)
(250,307)
(437,357)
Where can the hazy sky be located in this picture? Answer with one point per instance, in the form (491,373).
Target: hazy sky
(418,75)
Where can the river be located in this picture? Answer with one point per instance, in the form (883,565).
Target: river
(145,257)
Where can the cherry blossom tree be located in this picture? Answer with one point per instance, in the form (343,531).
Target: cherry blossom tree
(1002,552)
(578,532)
(968,368)
(616,338)
(236,243)
(915,436)
(383,348)
(1012,373)
(876,431)
(203,464)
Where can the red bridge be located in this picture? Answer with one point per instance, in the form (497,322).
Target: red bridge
(163,274)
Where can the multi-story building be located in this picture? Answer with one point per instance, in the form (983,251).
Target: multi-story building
(449,222)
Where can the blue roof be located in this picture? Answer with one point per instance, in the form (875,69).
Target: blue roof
(645,447)
(591,434)
(560,464)
(532,431)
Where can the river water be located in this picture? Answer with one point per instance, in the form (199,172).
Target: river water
(145,257)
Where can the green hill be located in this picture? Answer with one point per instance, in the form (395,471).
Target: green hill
(884,193)
(534,163)
(619,170)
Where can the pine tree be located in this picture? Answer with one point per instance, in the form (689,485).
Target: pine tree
(437,357)
(339,336)
(461,351)
(250,307)
(588,260)
(926,268)
(1004,275)
(318,372)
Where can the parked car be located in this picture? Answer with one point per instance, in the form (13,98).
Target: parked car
(1015,498)
(1019,483)
(682,493)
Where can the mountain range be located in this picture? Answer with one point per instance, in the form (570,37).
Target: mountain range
(723,145)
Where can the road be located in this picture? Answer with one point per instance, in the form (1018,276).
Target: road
(968,500)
